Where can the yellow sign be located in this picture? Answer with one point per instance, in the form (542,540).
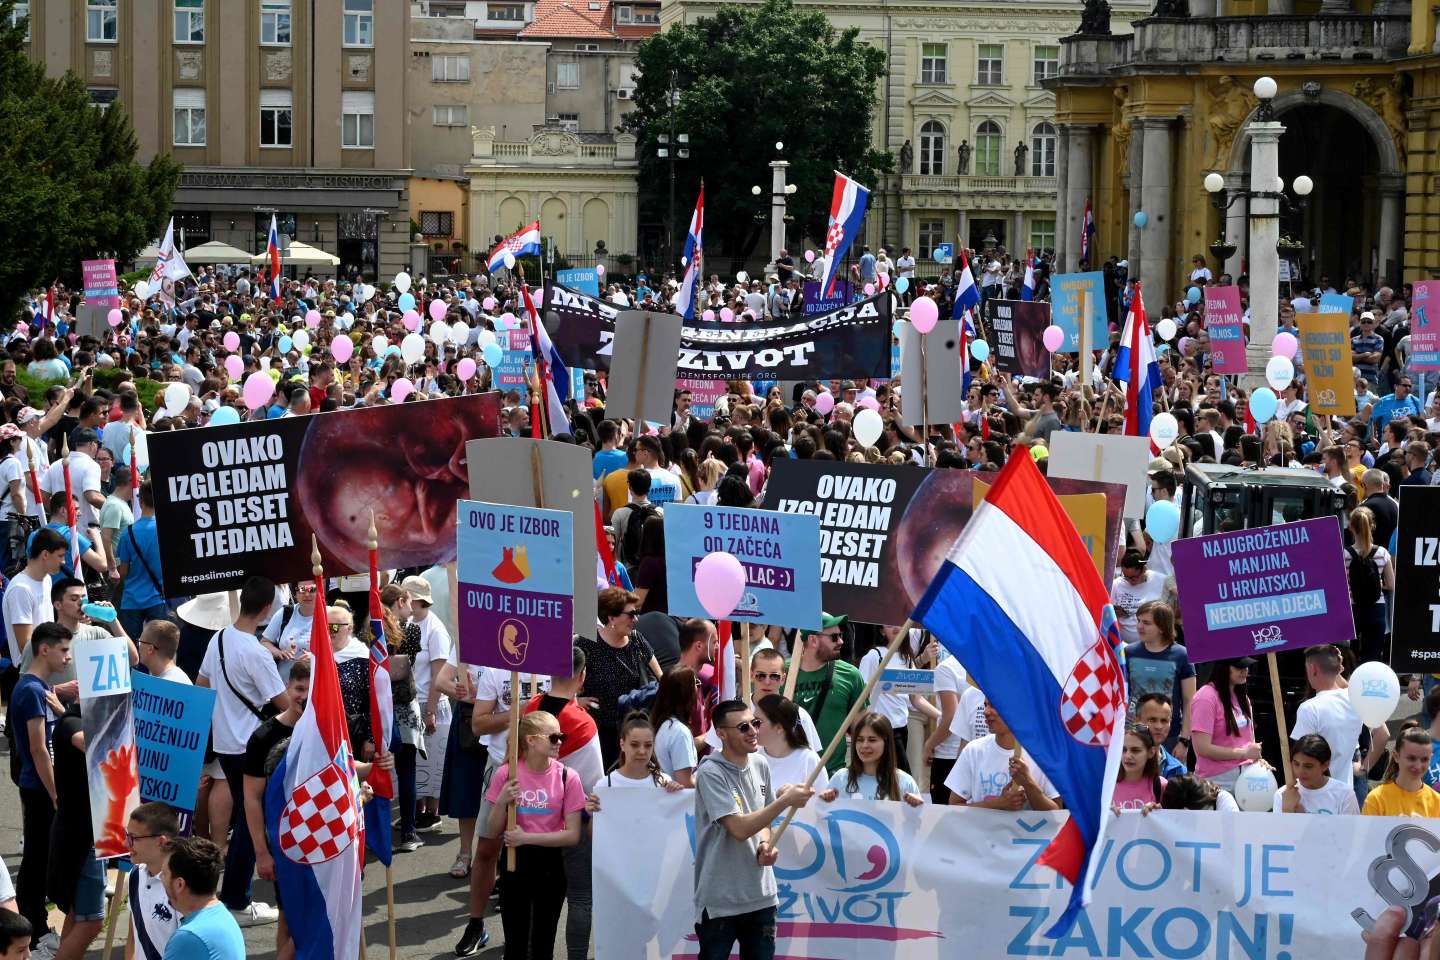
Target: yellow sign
(1329,369)
(1086,511)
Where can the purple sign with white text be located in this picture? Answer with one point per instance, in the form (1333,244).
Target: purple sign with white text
(1225,322)
(1263,590)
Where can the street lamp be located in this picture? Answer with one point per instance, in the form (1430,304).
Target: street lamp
(681,145)
(780,191)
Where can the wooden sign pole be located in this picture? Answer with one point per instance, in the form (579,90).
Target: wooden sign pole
(1087,360)
(1280,716)
(743,691)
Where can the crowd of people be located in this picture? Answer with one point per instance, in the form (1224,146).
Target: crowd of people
(642,709)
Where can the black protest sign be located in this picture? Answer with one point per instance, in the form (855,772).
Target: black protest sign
(1016,333)
(1416,644)
(240,500)
(851,342)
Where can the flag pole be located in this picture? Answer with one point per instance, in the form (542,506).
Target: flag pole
(743,690)
(117,902)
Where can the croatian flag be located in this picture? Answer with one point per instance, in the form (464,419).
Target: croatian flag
(847,212)
(272,257)
(1051,669)
(313,819)
(685,299)
(1027,286)
(551,366)
(967,295)
(967,337)
(526,241)
(382,716)
(1137,364)
(725,668)
(1087,231)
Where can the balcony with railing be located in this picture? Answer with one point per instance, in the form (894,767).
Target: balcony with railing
(552,145)
(917,183)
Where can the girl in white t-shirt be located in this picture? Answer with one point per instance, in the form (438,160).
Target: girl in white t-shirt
(872,773)
(783,741)
(637,768)
(1314,791)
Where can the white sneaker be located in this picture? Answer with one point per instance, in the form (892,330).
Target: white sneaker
(46,948)
(256,914)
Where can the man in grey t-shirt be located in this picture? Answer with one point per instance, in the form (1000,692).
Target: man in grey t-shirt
(735,896)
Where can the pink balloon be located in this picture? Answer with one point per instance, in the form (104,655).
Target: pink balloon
(869,289)
(312,318)
(1185,346)
(599,269)
(465,369)
(1285,345)
(231,341)
(437,309)
(342,348)
(1054,338)
(824,403)
(115,317)
(411,320)
(401,389)
(708,316)
(259,388)
(508,321)
(234,366)
(488,303)
(809,256)
(924,314)
(868,403)
(719,584)
(727,314)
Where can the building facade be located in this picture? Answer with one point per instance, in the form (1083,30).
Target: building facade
(271,106)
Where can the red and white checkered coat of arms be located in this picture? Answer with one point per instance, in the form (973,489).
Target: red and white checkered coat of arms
(321,819)
(1094,693)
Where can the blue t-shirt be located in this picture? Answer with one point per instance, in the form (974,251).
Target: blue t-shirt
(141,589)
(1170,765)
(867,787)
(1392,407)
(207,934)
(1159,673)
(71,562)
(27,703)
(607,461)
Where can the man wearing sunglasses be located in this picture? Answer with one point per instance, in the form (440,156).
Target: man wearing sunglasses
(735,803)
(828,686)
(767,676)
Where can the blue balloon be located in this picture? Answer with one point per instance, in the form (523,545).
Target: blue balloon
(1263,404)
(493,354)
(392,350)
(980,350)
(1193,295)
(223,416)
(1162,348)
(1162,521)
(902,284)
(1141,218)
(285,344)
(407,301)
(896,327)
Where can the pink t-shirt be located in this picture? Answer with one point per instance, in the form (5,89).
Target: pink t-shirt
(1207,716)
(757,475)
(1134,794)
(545,798)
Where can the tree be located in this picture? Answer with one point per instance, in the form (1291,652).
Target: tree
(745,79)
(72,187)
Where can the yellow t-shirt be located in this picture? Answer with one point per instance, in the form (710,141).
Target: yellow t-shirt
(1357,472)
(617,490)
(1389,800)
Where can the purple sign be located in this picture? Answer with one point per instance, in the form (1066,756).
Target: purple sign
(515,572)
(1225,322)
(102,287)
(1263,590)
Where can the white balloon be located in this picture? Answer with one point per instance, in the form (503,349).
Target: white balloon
(744,277)
(370,292)
(1167,329)
(1255,789)
(177,395)
(486,338)
(1164,428)
(1374,692)
(868,426)
(1279,371)
(412,348)
(440,332)
(402,281)
(509,260)
(379,343)
(459,333)
(142,289)
(301,339)
(346,320)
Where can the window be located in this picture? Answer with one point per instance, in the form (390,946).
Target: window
(1042,150)
(987,149)
(189,118)
(275,22)
(102,97)
(932,148)
(193,225)
(932,234)
(570,121)
(101,21)
(506,11)
(359,23)
(452,115)
(932,63)
(624,14)
(357,120)
(647,15)
(277,113)
(992,63)
(1047,63)
(20,12)
(1042,235)
(286,225)
(567,76)
(450,68)
(443,9)
(587,48)
(189,21)
(437,223)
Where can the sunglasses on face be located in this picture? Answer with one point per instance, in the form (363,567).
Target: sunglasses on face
(632,614)
(771,677)
(746,726)
(555,738)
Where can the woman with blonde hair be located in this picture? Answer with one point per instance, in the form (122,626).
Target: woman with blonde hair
(1368,584)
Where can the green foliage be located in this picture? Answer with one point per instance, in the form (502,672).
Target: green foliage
(72,187)
(747,78)
(107,378)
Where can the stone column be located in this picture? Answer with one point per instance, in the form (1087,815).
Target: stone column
(1135,184)
(1236,224)
(1155,191)
(1079,170)
(1062,223)
(1264,259)
(777,207)
(1392,209)
(962,230)
(1018,240)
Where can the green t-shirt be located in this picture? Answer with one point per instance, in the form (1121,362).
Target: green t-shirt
(845,688)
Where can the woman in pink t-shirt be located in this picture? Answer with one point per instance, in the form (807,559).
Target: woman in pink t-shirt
(548,799)
(1140,785)
(1220,725)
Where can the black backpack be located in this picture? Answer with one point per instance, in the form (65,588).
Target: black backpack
(1364,578)
(634,527)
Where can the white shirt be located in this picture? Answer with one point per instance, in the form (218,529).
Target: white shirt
(493,684)
(969,721)
(1200,274)
(950,678)
(174,674)
(11,469)
(675,747)
(894,707)
(1330,714)
(251,670)
(1333,799)
(1127,598)
(27,601)
(615,780)
(434,651)
(812,736)
(906,266)
(795,767)
(293,636)
(84,478)
(151,910)
(983,772)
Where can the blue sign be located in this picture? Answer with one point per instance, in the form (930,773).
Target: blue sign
(584,279)
(816,304)
(780,553)
(898,681)
(1336,303)
(1065,291)
(944,253)
(514,370)
(172,727)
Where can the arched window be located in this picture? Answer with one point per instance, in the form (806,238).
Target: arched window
(988,145)
(932,148)
(1042,150)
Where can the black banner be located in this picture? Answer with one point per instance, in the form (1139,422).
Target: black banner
(1415,646)
(852,342)
(1016,332)
(235,501)
(885,530)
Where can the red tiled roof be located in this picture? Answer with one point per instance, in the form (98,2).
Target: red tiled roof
(571,19)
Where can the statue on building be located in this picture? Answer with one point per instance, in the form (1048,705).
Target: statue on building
(1230,104)
(1020,151)
(1095,18)
(907,154)
(964,158)
(1171,8)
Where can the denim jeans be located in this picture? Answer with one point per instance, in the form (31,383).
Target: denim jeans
(405,757)
(240,855)
(134,620)
(754,932)
(578,898)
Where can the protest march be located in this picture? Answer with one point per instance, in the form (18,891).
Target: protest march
(669,618)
